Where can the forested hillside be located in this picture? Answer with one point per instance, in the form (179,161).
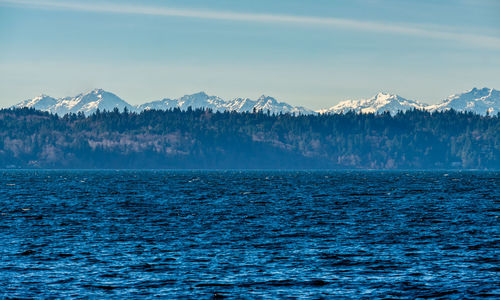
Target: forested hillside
(203,139)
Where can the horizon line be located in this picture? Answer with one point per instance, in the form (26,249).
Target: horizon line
(485,41)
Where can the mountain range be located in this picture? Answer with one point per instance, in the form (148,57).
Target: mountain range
(480,101)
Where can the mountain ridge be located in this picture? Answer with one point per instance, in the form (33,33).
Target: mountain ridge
(481,101)
(381,102)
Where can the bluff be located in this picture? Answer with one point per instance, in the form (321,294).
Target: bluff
(206,139)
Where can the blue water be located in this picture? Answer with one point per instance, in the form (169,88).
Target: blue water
(115,234)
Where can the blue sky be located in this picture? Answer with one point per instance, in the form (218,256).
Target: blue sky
(311,53)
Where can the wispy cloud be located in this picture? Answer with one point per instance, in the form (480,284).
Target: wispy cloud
(477,40)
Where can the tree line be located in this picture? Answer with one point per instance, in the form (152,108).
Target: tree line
(204,139)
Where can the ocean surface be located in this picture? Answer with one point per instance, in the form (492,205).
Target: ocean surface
(251,234)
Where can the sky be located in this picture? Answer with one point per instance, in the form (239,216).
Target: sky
(311,53)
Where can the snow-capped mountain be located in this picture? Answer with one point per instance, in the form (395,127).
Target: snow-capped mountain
(86,102)
(241,105)
(266,103)
(89,102)
(202,100)
(480,101)
(42,102)
(198,100)
(380,103)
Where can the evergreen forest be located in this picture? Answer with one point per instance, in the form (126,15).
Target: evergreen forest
(203,139)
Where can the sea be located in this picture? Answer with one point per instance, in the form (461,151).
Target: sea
(249,234)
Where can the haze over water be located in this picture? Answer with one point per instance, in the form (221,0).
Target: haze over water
(251,234)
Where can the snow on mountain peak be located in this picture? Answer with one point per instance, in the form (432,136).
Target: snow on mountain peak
(384,95)
(380,103)
(481,101)
(42,102)
(87,102)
